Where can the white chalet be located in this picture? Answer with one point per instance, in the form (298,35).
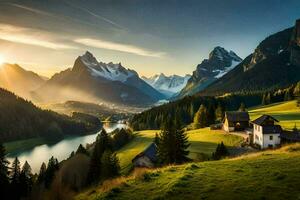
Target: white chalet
(266,133)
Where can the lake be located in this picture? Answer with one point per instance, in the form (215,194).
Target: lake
(60,150)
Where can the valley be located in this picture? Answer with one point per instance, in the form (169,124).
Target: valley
(149,100)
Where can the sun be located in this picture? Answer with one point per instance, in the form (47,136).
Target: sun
(2,60)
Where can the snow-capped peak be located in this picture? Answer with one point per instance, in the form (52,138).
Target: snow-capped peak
(110,71)
(168,85)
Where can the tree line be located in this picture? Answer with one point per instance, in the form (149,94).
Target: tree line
(209,110)
(290,93)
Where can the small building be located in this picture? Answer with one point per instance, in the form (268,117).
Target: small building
(266,134)
(147,158)
(236,121)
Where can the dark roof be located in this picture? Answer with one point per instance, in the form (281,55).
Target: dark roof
(262,119)
(150,152)
(237,116)
(272,129)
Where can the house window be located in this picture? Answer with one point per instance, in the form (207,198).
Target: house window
(271,137)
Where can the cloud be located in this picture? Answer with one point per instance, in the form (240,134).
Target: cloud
(30,36)
(96,15)
(118,47)
(33,10)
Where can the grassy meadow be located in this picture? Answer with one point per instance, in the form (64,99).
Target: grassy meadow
(203,143)
(286,112)
(264,175)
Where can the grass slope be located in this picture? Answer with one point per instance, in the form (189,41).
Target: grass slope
(264,175)
(203,143)
(287,113)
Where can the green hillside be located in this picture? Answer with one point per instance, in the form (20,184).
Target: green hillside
(287,113)
(203,143)
(265,175)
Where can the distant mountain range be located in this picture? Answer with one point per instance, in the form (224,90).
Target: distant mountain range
(219,63)
(274,64)
(18,80)
(93,81)
(167,85)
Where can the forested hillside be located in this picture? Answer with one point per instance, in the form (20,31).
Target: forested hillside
(271,66)
(214,107)
(21,119)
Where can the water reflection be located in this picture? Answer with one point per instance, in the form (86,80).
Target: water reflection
(60,150)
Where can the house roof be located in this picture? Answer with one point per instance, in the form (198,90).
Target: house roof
(272,129)
(262,119)
(237,116)
(150,152)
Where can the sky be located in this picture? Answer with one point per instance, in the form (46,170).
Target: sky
(149,36)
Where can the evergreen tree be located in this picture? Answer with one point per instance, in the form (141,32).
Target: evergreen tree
(81,150)
(268,99)
(4,174)
(156,139)
(181,143)
(242,107)
(221,151)
(173,143)
(210,114)
(287,95)
(192,111)
(200,118)
(42,173)
(26,180)
(15,179)
(219,113)
(296,91)
(110,166)
(295,129)
(103,142)
(263,102)
(50,172)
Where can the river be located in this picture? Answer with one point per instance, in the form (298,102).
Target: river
(61,150)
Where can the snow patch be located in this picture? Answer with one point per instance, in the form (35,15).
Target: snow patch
(226,70)
(110,71)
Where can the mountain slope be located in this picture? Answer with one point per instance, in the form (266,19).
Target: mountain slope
(18,80)
(90,80)
(272,174)
(20,119)
(167,85)
(219,63)
(272,65)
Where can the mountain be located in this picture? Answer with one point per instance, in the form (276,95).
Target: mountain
(219,63)
(274,64)
(103,112)
(20,119)
(18,80)
(90,80)
(167,85)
